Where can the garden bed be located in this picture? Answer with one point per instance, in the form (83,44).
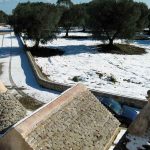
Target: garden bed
(45,51)
(124,49)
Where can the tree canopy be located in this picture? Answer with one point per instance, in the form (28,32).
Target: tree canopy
(117,18)
(74,16)
(37,21)
(3,17)
(149,22)
(82,15)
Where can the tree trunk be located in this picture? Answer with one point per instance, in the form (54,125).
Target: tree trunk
(109,38)
(37,43)
(67,33)
(111,41)
(83,29)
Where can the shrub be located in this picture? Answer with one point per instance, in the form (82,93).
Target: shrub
(112,79)
(76,78)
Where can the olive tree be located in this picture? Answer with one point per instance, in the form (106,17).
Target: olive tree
(75,16)
(37,21)
(117,18)
(3,17)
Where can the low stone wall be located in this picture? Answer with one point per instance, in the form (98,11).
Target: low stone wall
(44,82)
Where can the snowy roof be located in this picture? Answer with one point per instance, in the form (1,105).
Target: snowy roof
(75,120)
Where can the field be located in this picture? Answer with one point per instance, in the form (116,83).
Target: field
(15,70)
(127,75)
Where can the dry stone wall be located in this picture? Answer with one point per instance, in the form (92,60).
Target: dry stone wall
(44,82)
(140,103)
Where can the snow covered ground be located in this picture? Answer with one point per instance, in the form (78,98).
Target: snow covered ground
(132,72)
(118,138)
(138,143)
(16,69)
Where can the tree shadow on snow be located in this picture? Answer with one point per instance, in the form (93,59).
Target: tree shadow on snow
(77,38)
(29,74)
(143,42)
(77,49)
(6,51)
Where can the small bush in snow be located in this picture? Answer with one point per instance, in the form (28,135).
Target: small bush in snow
(76,78)
(112,79)
(99,74)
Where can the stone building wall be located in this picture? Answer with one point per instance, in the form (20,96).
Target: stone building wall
(75,120)
(81,124)
(11,111)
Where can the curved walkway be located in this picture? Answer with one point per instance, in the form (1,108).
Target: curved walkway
(16,71)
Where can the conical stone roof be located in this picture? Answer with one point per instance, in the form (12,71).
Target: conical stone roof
(11,111)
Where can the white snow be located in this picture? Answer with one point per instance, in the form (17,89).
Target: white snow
(5,28)
(21,71)
(137,143)
(132,72)
(4,59)
(111,148)
(119,136)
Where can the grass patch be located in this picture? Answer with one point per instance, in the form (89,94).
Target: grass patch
(124,49)
(30,103)
(45,51)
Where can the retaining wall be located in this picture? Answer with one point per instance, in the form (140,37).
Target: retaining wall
(44,82)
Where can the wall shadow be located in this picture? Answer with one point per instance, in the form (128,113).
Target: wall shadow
(28,72)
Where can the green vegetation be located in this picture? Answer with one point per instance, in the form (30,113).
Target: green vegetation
(112,79)
(117,19)
(107,19)
(149,22)
(37,21)
(44,51)
(74,16)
